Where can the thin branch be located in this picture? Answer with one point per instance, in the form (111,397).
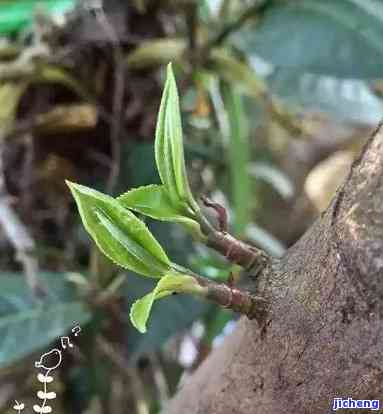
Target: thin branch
(235,25)
(118,96)
(191,10)
(159,379)
(18,235)
(127,371)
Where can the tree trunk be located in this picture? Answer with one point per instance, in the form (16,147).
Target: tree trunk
(323,335)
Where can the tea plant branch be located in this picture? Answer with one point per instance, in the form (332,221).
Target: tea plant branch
(227,296)
(251,258)
(126,240)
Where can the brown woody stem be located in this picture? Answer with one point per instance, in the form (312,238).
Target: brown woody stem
(251,258)
(236,251)
(235,299)
(228,296)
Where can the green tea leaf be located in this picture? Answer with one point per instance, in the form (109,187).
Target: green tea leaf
(119,234)
(169,284)
(154,201)
(173,315)
(169,149)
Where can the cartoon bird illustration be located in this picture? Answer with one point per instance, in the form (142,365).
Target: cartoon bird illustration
(50,360)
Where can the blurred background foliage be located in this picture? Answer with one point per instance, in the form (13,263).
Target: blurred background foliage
(277,96)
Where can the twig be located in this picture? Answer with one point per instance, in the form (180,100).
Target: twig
(117,394)
(127,371)
(235,25)
(23,65)
(118,96)
(18,235)
(191,20)
(159,379)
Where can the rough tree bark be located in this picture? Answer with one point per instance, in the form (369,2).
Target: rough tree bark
(323,335)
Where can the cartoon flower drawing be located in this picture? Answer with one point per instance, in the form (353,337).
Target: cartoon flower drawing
(48,362)
(18,407)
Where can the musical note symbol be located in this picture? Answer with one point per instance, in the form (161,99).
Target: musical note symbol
(65,339)
(76,330)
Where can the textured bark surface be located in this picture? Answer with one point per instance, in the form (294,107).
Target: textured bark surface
(323,335)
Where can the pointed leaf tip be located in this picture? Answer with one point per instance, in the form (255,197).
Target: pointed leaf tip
(169,150)
(169,68)
(68,183)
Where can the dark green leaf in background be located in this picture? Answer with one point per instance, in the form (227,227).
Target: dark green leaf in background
(16,296)
(348,100)
(340,38)
(23,332)
(27,323)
